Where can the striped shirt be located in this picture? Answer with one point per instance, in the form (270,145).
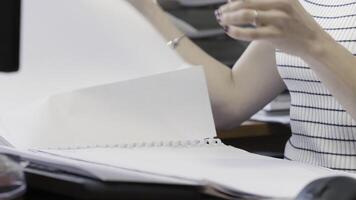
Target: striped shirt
(323,133)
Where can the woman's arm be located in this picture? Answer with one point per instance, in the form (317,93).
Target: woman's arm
(286,25)
(235,94)
(336,67)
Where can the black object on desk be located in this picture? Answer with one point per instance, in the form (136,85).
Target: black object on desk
(338,187)
(46,184)
(10,12)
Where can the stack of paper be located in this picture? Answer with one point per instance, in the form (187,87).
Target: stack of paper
(276,111)
(127,113)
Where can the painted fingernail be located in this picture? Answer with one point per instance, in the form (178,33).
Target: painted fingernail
(219,13)
(218,18)
(226,29)
(216,14)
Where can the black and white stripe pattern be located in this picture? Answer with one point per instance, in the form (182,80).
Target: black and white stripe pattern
(324,133)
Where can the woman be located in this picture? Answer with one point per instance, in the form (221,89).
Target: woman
(306,46)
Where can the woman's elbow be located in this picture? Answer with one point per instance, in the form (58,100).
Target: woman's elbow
(225,117)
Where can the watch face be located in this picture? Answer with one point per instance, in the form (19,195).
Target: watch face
(9,35)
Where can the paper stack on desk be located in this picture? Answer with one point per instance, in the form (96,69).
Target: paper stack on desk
(150,123)
(157,129)
(276,111)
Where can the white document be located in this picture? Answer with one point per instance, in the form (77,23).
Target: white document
(274,117)
(99,93)
(149,128)
(227,169)
(71,44)
(164,107)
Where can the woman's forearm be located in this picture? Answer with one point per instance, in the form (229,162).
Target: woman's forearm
(161,21)
(219,76)
(336,67)
(235,94)
(186,48)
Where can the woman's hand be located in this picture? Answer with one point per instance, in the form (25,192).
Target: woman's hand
(288,27)
(284,23)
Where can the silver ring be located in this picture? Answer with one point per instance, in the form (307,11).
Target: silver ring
(255,17)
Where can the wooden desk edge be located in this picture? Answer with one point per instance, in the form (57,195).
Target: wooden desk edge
(254,129)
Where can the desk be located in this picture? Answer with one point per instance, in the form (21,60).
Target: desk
(266,139)
(254,129)
(127,191)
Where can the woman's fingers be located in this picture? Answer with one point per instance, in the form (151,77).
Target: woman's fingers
(270,17)
(231,6)
(254,17)
(249,34)
(283,5)
(241,17)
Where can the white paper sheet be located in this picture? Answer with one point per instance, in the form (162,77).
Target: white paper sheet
(71,44)
(217,165)
(101,172)
(168,106)
(68,44)
(278,117)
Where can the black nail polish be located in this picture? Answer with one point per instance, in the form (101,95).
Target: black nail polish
(226,29)
(218,18)
(219,13)
(216,13)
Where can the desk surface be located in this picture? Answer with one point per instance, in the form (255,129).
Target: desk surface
(267,139)
(254,129)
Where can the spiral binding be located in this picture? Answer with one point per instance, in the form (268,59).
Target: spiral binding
(170,143)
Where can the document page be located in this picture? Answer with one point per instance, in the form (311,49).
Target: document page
(170,106)
(91,170)
(67,45)
(226,168)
